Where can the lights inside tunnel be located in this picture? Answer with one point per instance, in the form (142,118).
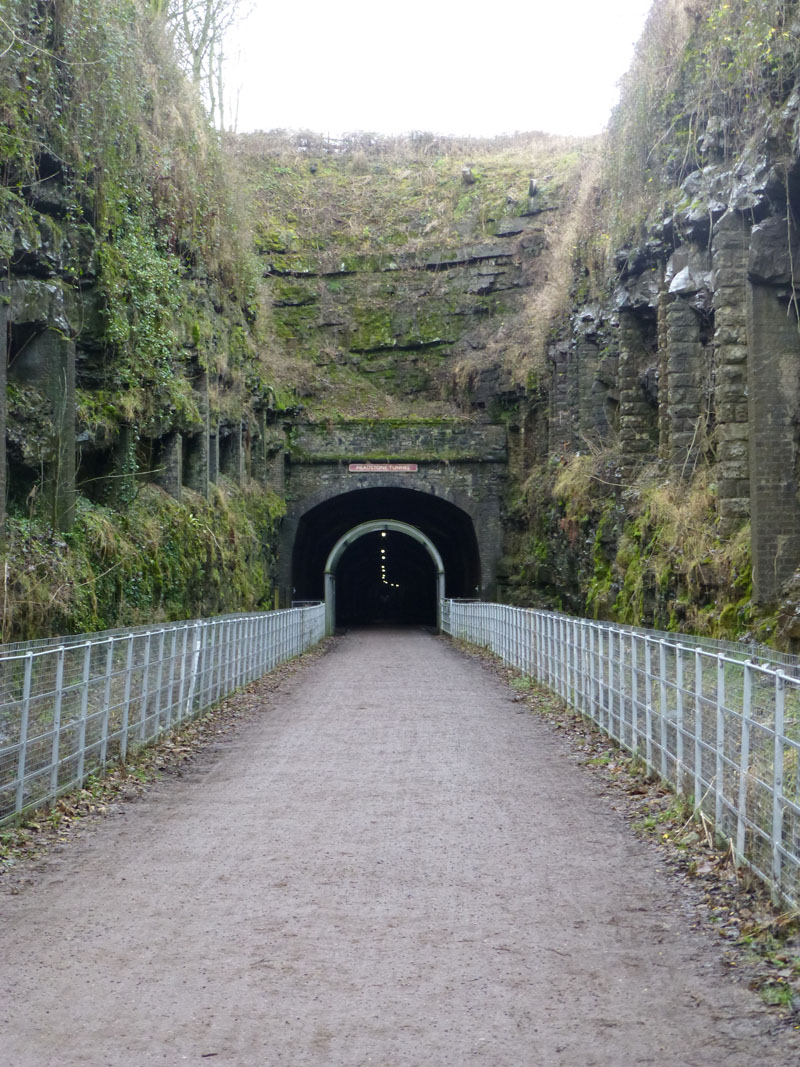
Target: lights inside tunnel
(402,589)
(399,590)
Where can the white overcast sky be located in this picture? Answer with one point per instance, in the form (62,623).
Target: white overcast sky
(465,68)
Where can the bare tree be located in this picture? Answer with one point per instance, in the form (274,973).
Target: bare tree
(200,28)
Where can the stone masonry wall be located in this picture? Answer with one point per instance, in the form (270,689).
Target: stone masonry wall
(464,465)
(730,252)
(700,345)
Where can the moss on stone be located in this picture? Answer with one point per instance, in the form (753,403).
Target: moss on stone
(160,560)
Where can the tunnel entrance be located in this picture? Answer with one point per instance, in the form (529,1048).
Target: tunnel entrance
(408,596)
(386,577)
(372,594)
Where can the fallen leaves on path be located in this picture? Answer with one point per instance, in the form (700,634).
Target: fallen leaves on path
(761,941)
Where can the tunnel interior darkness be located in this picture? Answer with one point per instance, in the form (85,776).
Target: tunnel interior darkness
(404,592)
(386,578)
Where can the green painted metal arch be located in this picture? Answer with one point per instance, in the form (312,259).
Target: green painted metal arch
(377,526)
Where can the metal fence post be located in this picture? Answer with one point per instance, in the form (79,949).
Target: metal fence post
(698,728)
(777,781)
(259,647)
(173,654)
(634,694)
(159,684)
(622,711)
(648,703)
(601,673)
(87,667)
(237,653)
(57,704)
(203,692)
(194,669)
(23,732)
(610,675)
(126,702)
(109,673)
(679,719)
(145,686)
(182,683)
(592,674)
(252,629)
(719,770)
(554,658)
(662,670)
(744,758)
(566,659)
(214,659)
(229,647)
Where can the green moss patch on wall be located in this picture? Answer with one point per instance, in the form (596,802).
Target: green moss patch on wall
(649,555)
(160,560)
(388,258)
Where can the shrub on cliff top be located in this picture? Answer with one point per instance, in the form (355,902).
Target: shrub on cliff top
(707,76)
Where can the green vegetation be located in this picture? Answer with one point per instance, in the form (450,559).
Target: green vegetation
(370,244)
(113,175)
(159,560)
(647,554)
(709,80)
(380,196)
(712,87)
(120,194)
(211,278)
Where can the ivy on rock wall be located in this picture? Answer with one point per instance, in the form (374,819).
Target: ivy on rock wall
(123,234)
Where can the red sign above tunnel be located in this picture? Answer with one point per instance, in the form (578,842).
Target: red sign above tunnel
(383,468)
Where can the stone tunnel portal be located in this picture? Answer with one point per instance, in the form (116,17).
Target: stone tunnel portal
(399,585)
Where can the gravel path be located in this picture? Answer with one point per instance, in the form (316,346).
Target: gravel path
(394,865)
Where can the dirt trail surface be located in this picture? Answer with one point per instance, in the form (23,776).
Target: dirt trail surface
(393,865)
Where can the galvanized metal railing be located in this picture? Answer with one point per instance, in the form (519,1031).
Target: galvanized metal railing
(68,707)
(715,724)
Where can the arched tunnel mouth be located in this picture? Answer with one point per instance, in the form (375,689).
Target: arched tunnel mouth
(400,588)
(386,578)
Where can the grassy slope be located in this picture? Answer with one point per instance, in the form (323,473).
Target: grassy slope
(371,207)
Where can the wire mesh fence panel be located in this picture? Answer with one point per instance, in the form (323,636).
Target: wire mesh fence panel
(718,721)
(69,707)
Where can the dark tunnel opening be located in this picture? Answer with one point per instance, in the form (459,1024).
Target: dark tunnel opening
(386,578)
(361,595)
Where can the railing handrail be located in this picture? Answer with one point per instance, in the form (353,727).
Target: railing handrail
(69,705)
(752,650)
(66,640)
(713,722)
